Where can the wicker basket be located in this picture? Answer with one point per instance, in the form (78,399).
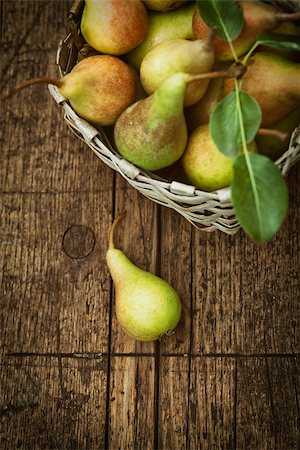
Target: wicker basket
(206,210)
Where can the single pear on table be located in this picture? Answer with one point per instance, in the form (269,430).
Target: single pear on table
(114,26)
(273,146)
(204,165)
(147,307)
(163,5)
(99,88)
(258,18)
(162,26)
(275,84)
(178,55)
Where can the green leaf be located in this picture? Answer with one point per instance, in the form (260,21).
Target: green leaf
(224,123)
(259,195)
(280,41)
(227,16)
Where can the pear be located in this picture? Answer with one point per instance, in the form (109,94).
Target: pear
(114,26)
(152,132)
(258,18)
(178,55)
(163,5)
(274,82)
(199,113)
(147,307)
(99,88)
(273,146)
(162,26)
(204,165)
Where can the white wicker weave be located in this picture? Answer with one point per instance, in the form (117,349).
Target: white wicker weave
(208,211)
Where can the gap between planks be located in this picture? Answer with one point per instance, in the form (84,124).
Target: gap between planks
(97,355)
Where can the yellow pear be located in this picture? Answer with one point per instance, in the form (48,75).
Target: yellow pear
(147,307)
(162,26)
(178,55)
(204,165)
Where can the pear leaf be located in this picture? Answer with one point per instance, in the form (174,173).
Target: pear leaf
(259,195)
(279,41)
(224,125)
(226,16)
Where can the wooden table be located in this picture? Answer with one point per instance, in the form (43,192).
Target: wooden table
(70,378)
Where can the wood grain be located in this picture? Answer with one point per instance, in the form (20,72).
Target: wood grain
(131,424)
(268,403)
(53,403)
(212,404)
(173,410)
(40,154)
(53,302)
(246,295)
(176,268)
(70,378)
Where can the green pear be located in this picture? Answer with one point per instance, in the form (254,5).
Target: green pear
(162,26)
(178,55)
(199,113)
(152,132)
(99,88)
(147,307)
(114,26)
(163,5)
(275,84)
(273,146)
(204,165)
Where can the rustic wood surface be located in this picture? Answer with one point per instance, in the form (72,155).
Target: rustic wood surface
(70,378)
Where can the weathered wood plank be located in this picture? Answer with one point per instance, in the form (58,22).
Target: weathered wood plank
(39,152)
(268,403)
(173,409)
(131,423)
(53,403)
(212,404)
(176,268)
(56,287)
(137,238)
(244,293)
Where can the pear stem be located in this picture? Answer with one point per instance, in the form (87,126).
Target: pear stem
(275,133)
(235,71)
(286,17)
(39,80)
(111,243)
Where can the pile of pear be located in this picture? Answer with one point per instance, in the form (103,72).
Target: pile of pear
(149,77)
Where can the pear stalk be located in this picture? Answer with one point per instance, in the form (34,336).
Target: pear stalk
(287,17)
(273,133)
(235,71)
(38,80)
(111,243)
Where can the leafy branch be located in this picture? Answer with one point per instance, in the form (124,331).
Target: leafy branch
(258,190)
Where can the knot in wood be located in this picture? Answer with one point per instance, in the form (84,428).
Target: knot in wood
(78,241)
